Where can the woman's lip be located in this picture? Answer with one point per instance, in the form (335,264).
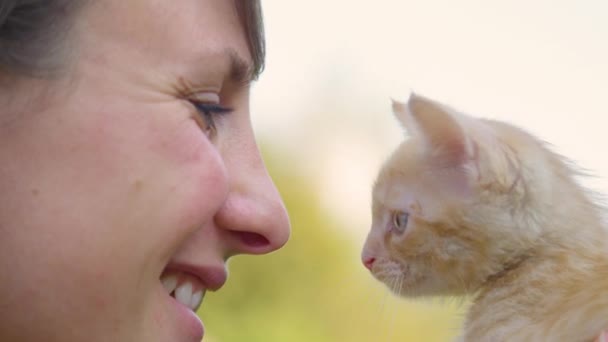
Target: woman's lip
(212,277)
(189,322)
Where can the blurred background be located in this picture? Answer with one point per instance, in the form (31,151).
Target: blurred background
(322,114)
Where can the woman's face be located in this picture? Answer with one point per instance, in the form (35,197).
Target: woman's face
(113,182)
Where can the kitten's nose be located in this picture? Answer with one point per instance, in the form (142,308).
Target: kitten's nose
(369,262)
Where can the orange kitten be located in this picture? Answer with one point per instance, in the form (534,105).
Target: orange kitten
(478,207)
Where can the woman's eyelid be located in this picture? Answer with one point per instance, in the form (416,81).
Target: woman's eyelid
(206,97)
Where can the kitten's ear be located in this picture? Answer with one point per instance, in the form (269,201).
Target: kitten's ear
(444,142)
(442,135)
(402,113)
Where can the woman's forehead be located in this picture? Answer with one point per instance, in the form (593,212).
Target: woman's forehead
(184,30)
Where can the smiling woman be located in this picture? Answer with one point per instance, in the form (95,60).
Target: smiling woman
(129,169)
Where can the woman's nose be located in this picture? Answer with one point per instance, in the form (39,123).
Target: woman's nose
(253,216)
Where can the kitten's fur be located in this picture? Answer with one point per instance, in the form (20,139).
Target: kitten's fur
(493,213)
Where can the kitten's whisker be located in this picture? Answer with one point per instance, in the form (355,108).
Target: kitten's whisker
(379,320)
(372,295)
(390,285)
(400,279)
(395,286)
(366,299)
(462,282)
(386,292)
(375,297)
(391,328)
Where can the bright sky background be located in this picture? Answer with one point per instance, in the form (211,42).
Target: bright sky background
(333,66)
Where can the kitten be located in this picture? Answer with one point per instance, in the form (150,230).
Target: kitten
(478,207)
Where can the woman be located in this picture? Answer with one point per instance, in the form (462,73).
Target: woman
(129,173)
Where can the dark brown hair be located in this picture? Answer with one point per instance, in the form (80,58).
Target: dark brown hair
(34,34)
(250,13)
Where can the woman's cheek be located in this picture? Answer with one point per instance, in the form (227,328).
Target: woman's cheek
(185,144)
(197,173)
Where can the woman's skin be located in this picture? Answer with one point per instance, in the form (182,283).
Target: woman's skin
(116,180)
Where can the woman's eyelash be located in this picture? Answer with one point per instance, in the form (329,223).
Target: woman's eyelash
(208,111)
(211,108)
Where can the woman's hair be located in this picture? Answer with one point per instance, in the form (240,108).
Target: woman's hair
(34,34)
(250,13)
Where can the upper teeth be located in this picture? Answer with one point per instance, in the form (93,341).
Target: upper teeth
(184,289)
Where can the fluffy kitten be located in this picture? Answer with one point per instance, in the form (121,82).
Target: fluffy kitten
(478,207)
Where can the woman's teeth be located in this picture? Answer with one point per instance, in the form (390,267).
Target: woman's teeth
(169,282)
(184,289)
(186,296)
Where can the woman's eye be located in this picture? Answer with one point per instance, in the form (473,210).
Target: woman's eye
(207,115)
(400,221)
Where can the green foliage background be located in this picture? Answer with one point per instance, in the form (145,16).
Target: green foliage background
(314,289)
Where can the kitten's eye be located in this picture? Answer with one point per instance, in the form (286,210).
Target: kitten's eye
(208,113)
(400,221)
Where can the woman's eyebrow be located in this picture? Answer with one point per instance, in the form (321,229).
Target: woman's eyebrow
(241,69)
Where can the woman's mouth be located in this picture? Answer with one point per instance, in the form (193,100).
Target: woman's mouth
(189,283)
(186,285)
(185,288)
